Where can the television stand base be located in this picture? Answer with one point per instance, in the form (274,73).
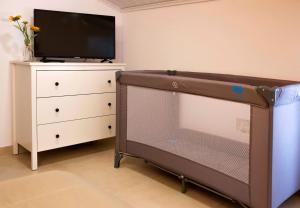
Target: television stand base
(45,60)
(106,60)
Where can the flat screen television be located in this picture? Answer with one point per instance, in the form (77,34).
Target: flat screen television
(74,35)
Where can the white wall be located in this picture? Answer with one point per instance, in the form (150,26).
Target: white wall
(247,37)
(217,117)
(11,42)
(244,37)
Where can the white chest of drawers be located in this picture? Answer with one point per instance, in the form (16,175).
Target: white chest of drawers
(62,104)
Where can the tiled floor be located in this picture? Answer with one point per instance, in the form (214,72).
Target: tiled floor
(137,183)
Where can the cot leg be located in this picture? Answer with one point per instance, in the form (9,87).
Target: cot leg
(118,158)
(183,184)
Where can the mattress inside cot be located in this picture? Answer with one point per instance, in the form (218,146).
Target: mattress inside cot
(208,131)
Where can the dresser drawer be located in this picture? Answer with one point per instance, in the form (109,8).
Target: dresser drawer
(56,109)
(51,136)
(59,83)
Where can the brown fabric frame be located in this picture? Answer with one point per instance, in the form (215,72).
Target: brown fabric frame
(253,81)
(215,89)
(260,156)
(204,175)
(121,126)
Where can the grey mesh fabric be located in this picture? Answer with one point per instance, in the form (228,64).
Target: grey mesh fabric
(153,118)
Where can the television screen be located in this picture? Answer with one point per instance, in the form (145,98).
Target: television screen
(74,35)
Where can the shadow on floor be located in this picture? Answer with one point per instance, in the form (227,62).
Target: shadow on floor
(67,153)
(174,183)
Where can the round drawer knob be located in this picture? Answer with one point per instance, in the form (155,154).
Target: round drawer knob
(109,81)
(109,104)
(56,83)
(57,136)
(109,126)
(56,110)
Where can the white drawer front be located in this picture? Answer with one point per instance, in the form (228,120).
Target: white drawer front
(56,109)
(51,136)
(59,83)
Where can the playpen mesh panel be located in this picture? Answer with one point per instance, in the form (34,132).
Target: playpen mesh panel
(164,120)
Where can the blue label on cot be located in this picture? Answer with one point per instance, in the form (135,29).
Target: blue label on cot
(237,89)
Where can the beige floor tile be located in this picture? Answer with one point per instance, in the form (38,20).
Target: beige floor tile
(58,189)
(137,183)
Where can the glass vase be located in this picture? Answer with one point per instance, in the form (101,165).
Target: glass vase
(27,53)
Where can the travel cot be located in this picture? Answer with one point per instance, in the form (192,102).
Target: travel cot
(235,135)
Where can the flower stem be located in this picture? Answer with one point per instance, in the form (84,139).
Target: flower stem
(24,32)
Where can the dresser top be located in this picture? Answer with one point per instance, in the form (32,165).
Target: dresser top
(66,64)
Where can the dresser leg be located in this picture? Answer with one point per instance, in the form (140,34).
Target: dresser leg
(34,160)
(15,148)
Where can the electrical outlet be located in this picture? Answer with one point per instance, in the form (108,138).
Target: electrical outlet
(243,125)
